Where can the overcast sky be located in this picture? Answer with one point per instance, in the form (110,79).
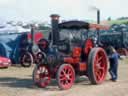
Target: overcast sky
(68,9)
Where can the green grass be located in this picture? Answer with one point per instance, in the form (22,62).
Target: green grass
(118,22)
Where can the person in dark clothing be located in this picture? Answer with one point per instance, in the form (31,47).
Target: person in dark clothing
(113,60)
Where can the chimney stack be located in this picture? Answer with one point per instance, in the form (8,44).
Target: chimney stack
(55,28)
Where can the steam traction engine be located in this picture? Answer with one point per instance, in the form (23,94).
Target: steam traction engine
(69,52)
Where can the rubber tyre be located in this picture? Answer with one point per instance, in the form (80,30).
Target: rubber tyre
(26,64)
(97,66)
(70,79)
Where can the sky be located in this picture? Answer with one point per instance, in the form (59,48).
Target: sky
(40,10)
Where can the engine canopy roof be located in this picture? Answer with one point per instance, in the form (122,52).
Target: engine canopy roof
(74,25)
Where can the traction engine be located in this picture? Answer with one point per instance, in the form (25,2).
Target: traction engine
(70,52)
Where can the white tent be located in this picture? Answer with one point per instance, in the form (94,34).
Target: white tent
(13,29)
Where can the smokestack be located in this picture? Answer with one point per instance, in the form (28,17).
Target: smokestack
(32,34)
(55,29)
(98,22)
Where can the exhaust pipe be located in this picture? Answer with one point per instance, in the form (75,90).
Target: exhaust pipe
(32,34)
(55,28)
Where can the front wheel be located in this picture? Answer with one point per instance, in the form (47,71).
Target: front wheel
(65,76)
(41,76)
(97,65)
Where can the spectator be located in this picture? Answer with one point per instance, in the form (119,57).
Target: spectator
(113,59)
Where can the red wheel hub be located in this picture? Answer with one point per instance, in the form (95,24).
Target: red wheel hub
(42,76)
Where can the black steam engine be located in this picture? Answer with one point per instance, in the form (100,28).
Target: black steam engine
(68,52)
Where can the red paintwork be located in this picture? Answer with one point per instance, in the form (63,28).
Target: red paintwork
(88,46)
(82,66)
(75,56)
(37,36)
(76,52)
(122,51)
(97,26)
(42,78)
(71,60)
(100,68)
(5,62)
(66,77)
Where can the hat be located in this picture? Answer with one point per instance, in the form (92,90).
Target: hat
(112,49)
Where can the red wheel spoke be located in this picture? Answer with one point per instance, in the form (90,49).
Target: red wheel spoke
(67,82)
(98,77)
(100,59)
(62,79)
(66,77)
(101,68)
(69,71)
(64,72)
(40,69)
(37,72)
(96,72)
(70,75)
(42,76)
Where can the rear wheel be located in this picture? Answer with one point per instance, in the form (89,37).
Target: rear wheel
(65,76)
(26,59)
(41,76)
(97,65)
